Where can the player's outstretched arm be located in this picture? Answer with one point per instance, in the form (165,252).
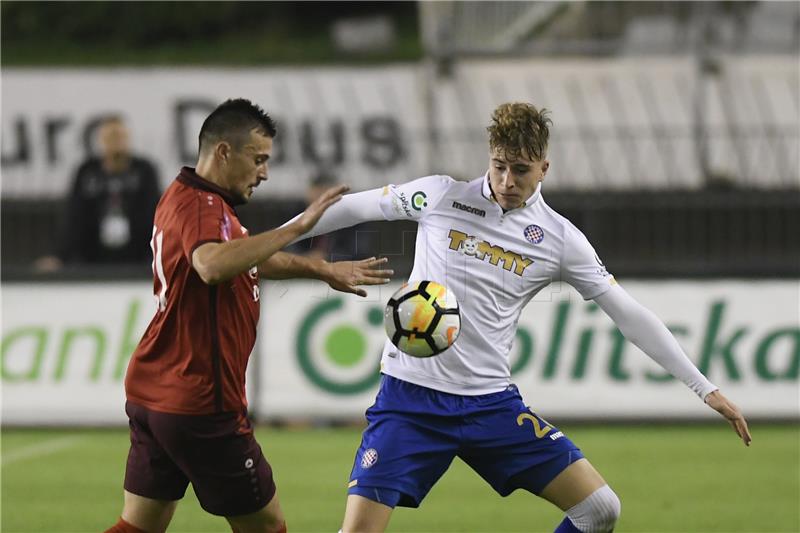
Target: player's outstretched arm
(353,209)
(218,262)
(345,276)
(641,326)
(392,202)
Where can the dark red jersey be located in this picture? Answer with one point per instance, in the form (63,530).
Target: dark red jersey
(193,355)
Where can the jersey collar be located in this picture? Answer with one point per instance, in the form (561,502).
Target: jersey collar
(486,190)
(189,177)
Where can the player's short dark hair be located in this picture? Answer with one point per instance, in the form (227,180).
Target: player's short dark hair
(519,129)
(232,121)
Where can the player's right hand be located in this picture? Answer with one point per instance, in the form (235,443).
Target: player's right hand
(314,211)
(717,401)
(346,276)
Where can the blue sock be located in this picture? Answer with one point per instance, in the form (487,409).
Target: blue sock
(566,526)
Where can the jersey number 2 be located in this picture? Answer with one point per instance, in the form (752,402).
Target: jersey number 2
(537,426)
(157,244)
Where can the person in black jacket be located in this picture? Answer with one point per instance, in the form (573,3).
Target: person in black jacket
(109,212)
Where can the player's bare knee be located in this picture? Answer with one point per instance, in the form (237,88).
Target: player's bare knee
(150,515)
(362,524)
(598,512)
(267,520)
(279,528)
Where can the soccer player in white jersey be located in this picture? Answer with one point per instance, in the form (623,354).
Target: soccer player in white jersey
(495,243)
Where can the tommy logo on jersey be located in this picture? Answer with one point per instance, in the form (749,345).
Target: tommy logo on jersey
(481,250)
(534,234)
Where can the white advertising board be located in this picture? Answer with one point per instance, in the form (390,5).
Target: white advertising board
(568,359)
(65,347)
(618,123)
(361,123)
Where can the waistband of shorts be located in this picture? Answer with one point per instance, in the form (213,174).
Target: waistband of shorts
(509,391)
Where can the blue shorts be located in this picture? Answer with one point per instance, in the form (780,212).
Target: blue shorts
(414,433)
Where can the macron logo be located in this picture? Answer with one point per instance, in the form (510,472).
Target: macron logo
(469,209)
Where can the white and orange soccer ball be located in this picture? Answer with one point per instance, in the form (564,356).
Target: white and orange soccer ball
(422,318)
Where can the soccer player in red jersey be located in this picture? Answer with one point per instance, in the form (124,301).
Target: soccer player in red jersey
(185,383)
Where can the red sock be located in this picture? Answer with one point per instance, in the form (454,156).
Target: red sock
(123,527)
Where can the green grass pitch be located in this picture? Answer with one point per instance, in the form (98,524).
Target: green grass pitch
(669,478)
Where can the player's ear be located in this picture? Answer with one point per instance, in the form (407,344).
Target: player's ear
(222,151)
(545,166)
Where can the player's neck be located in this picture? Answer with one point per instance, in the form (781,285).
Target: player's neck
(207,170)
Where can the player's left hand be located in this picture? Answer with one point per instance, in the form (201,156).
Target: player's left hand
(717,401)
(345,276)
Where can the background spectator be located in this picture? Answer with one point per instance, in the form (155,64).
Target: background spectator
(109,212)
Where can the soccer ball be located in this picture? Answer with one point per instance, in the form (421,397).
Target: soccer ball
(422,318)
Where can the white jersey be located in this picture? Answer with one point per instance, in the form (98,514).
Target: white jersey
(494,262)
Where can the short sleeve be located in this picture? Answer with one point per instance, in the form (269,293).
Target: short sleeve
(203,221)
(415,199)
(581,267)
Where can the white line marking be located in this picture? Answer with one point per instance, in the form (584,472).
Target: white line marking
(42,448)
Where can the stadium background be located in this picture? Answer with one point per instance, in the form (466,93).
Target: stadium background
(675,149)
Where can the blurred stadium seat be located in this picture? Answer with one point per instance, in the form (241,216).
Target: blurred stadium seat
(657,120)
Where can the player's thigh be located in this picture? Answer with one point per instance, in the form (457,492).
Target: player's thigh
(268,519)
(148,514)
(364,515)
(402,457)
(573,485)
(220,456)
(231,476)
(511,447)
(150,471)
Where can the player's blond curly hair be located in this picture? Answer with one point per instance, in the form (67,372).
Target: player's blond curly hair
(519,130)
